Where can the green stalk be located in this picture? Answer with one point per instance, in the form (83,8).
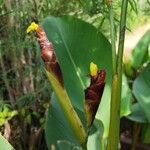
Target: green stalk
(68,110)
(113,137)
(114,129)
(122,35)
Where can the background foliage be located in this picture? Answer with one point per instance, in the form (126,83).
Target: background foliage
(24,90)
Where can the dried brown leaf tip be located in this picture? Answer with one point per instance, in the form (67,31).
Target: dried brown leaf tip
(94,92)
(47,51)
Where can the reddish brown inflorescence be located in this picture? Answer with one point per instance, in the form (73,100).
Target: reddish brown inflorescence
(94,93)
(48,54)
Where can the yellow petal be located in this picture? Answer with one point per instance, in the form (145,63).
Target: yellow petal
(32,27)
(93,69)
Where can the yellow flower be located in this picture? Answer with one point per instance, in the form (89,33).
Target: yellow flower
(93,69)
(32,27)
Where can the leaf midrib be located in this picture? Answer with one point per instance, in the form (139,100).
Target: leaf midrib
(70,56)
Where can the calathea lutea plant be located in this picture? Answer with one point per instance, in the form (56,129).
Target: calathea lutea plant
(93,93)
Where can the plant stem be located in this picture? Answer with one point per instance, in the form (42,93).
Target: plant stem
(122,36)
(113,138)
(68,110)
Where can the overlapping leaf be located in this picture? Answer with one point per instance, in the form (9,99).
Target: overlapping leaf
(141,90)
(137,114)
(126,98)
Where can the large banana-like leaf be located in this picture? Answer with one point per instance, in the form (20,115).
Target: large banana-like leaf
(76,44)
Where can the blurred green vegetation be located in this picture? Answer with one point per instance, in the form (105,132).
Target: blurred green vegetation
(23,85)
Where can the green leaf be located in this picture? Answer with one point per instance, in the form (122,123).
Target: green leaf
(140,52)
(67,109)
(57,129)
(4,144)
(137,114)
(126,100)
(96,136)
(141,90)
(76,44)
(59,134)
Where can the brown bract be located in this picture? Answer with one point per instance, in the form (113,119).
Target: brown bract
(48,54)
(93,95)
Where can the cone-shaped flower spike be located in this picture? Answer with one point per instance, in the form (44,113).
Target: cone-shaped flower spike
(94,92)
(47,51)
